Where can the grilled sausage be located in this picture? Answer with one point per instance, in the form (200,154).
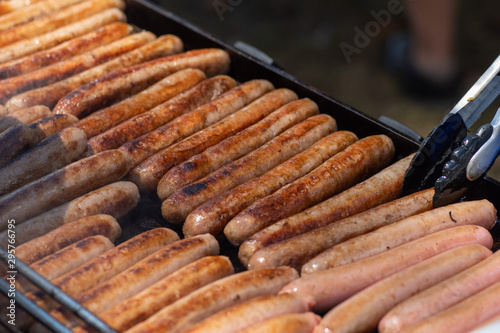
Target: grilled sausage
(381,187)
(363,311)
(341,171)
(190,122)
(149,173)
(51,94)
(14,5)
(481,213)
(291,142)
(24,116)
(72,256)
(237,145)
(115,199)
(66,259)
(131,129)
(216,296)
(165,292)
(21,137)
(67,234)
(113,115)
(148,271)
(213,215)
(296,251)
(125,82)
(32,12)
(102,36)
(115,261)
(51,154)
(74,65)
(57,19)
(442,295)
(255,310)
(290,323)
(63,34)
(351,278)
(63,185)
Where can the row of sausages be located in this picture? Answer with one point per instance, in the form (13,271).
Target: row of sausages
(97,114)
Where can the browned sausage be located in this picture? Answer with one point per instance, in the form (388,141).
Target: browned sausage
(165,292)
(63,34)
(63,185)
(21,137)
(182,202)
(478,212)
(216,296)
(376,190)
(341,171)
(237,145)
(190,122)
(295,251)
(143,273)
(66,259)
(362,312)
(125,82)
(242,315)
(32,12)
(148,174)
(15,5)
(57,19)
(51,94)
(67,234)
(232,124)
(72,256)
(51,154)
(24,116)
(115,261)
(200,94)
(74,65)
(351,278)
(105,119)
(115,199)
(77,45)
(214,215)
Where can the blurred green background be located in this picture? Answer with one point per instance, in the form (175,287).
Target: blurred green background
(304,38)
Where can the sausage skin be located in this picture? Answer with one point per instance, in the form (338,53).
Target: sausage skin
(70,233)
(291,142)
(166,291)
(363,311)
(128,81)
(290,323)
(214,215)
(51,94)
(115,199)
(102,126)
(216,296)
(190,122)
(49,155)
(63,185)
(150,172)
(353,277)
(479,212)
(341,171)
(237,145)
(297,250)
(74,46)
(42,42)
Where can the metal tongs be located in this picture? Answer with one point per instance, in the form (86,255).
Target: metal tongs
(448,159)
